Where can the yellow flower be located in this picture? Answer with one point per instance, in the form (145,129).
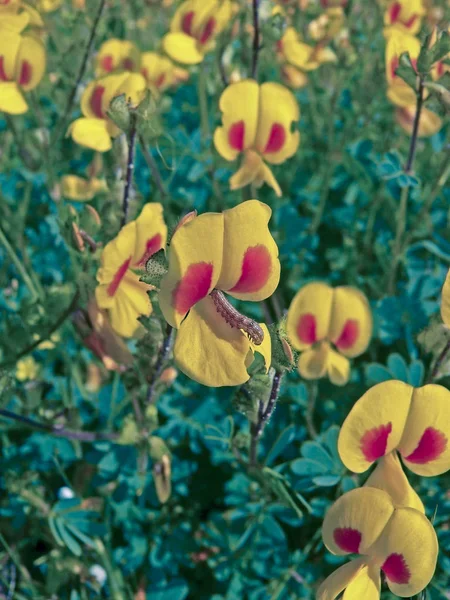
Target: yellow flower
(117,55)
(81,189)
(159,71)
(257,123)
(49,5)
(320,317)
(230,252)
(22,66)
(396,541)
(17,15)
(405,15)
(429,123)
(119,291)
(27,369)
(95,130)
(194,27)
(398,42)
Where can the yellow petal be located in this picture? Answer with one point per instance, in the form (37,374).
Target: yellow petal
(356,520)
(131,301)
(309,314)
(336,583)
(338,368)
(445,301)
(158,70)
(182,48)
(14,22)
(151,233)
(239,104)
(254,170)
(388,475)
(98,94)
(195,264)
(425,444)
(278,111)
(11,99)
(294,77)
(366,585)
(9,48)
(91,133)
(116,260)
(117,55)
(375,425)
(77,188)
(397,44)
(133,87)
(30,62)
(407,552)
(430,123)
(351,325)
(400,94)
(208,350)
(405,15)
(313,362)
(265,349)
(250,267)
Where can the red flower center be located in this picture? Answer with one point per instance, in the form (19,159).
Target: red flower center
(396,569)
(374,442)
(306,329)
(348,539)
(96,101)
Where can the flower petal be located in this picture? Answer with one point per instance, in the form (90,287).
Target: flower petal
(151,233)
(195,264)
(388,475)
(338,368)
(182,48)
(375,425)
(397,44)
(250,267)
(445,301)
(336,583)
(407,552)
(425,446)
(10,42)
(366,585)
(351,325)
(117,55)
(239,104)
(116,259)
(91,133)
(208,350)
(278,110)
(130,302)
(80,189)
(309,315)
(265,349)
(254,170)
(11,99)
(356,520)
(313,362)
(430,123)
(30,62)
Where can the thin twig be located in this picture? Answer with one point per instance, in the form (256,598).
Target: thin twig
(70,434)
(415,131)
(151,163)
(160,363)
(130,166)
(81,72)
(19,266)
(255,38)
(439,362)
(264,414)
(309,414)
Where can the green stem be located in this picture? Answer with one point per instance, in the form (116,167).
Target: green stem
(203,104)
(19,266)
(398,243)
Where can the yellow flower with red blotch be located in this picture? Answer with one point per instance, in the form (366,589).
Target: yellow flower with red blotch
(194,27)
(230,252)
(393,418)
(82,189)
(119,291)
(95,130)
(320,318)
(395,541)
(257,122)
(117,55)
(405,15)
(398,43)
(22,66)
(17,15)
(298,58)
(328,25)
(160,72)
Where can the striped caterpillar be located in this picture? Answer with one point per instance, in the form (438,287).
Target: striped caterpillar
(235,319)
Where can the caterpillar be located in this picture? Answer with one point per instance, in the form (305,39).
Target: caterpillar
(235,319)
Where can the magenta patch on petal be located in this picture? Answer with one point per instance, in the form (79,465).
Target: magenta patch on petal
(26,72)
(96,101)
(186,23)
(347,539)
(410,22)
(348,336)
(374,442)
(276,140)
(120,274)
(431,445)
(192,287)
(3,76)
(236,136)
(396,569)
(208,30)
(128,64)
(306,329)
(107,63)
(152,245)
(394,11)
(161,79)
(256,268)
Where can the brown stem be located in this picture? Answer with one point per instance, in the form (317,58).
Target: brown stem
(264,414)
(160,363)
(255,54)
(415,131)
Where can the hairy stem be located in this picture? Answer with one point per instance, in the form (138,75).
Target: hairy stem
(264,414)
(163,355)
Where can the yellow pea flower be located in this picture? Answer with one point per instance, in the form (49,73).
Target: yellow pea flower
(160,72)
(405,15)
(95,130)
(230,252)
(120,292)
(398,42)
(194,27)
(117,55)
(320,318)
(257,123)
(22,66)
(399,542)
(27,369)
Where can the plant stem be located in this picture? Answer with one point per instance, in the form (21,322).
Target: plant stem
(415,132)
(130,166)
(164,352)
(203,104)
(309,415)
(255,54)
(87,53)
(439,361)
(151,163)
(19,266)
(264,414)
